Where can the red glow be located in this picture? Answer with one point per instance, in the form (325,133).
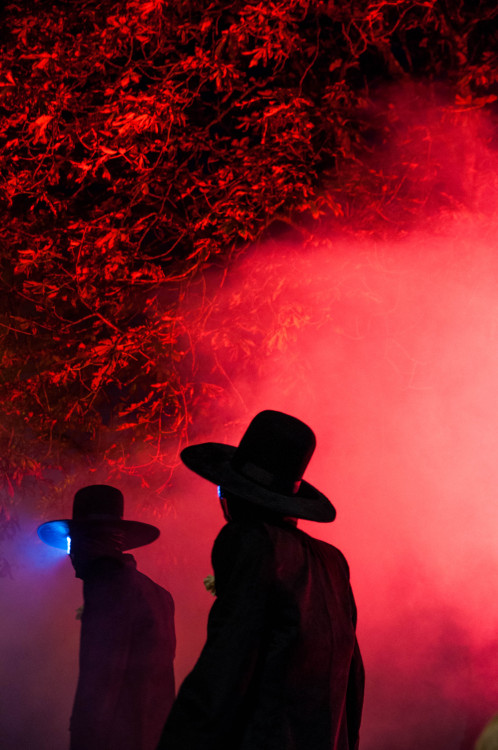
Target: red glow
(394,365)
(376,326)
(388,349)
(390,355)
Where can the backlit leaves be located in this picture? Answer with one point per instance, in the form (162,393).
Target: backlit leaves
(143,143)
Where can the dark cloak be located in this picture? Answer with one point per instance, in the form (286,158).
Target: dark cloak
(281,668)
(126,682)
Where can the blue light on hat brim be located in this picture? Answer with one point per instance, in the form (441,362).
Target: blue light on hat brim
(55,533)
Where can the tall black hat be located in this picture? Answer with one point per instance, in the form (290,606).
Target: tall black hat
(97,507)
(267,466)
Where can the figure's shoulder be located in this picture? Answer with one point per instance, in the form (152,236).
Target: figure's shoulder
(327,550)
(148,593)
(141,580)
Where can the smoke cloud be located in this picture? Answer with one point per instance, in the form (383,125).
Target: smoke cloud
(398,381)
(387,348)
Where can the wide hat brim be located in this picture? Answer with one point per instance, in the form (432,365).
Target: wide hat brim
(212,461)
(135,533)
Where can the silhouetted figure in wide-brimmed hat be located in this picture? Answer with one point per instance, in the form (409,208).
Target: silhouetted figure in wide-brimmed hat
(126,683)
(281,668)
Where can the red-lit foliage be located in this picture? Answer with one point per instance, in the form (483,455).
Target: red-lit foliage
(142,143)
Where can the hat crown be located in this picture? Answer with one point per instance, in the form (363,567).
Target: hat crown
(267,466)
(96,508)
(98,502)
(275,451)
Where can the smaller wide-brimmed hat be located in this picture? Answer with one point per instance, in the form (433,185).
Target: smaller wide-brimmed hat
(98,507)
(267,467)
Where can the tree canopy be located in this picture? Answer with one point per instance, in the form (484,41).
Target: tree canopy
(143,143)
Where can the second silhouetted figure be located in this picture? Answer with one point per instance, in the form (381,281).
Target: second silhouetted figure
(126,683)
(281,668)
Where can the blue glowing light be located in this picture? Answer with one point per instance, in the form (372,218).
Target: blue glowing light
(68,544)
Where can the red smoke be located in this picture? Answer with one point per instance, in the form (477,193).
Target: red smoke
(398,379)
(388,349)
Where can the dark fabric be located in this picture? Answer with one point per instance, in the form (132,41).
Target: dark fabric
(126,683)
(281,668)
